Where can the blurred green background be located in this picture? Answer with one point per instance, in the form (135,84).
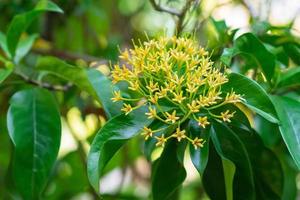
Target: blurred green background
(91,32)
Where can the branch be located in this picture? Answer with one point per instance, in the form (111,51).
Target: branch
(45,85)
(69,56)
(184,10)
(165,9)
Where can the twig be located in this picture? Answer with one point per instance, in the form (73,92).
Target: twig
(179,14)
(45,85)
(69,56)
(187,6)
(160,8)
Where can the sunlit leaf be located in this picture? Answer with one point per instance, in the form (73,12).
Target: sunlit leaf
(21,22)
(256,97)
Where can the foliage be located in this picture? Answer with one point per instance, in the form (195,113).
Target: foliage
(230,108)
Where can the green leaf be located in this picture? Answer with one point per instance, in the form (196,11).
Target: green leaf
(150,144)
(290,175)
(104,89)
(111,138)
(4,73)
(293,51)
(213,177)
(168,172)
(249,45)
(34,126)
(24,46)
(288,111)
(256,97)
(229,146)
(91,81)
(21,22)
(289,78)
(229,172)
(3,44)
(199,156)
(268,174)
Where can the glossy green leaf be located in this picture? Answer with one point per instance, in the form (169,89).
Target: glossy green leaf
(290,78)
(199,156)
(4,73)
(21,22)
(24,46)
(256,97)
(111,138)
(168,172)
(104,89)
(213,178)
(268,174)
(229,146)
(34,126)
(288,111)
(249,45)
(91,81)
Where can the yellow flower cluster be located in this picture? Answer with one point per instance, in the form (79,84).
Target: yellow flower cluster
(176,79)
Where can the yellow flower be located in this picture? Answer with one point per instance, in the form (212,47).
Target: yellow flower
(161,140)
(147,132)
(171,117)
(134,85)
(194,106)
(197,142)
(179,134)
(153,98)
(232,97)
(162,92)
(174,72)
(125,55)
(226,116)
(127,108)
(117,96)
(152,113)
(152,86)
(202,121)
(178,97)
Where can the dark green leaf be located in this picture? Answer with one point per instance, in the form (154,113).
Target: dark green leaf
(268,174)
(249,45)
(256,97)
(91,81)
(288,111)
(199,156)
(34,126)
(21,22)
(229,146)
(213,177)
(111,138)
(168,172)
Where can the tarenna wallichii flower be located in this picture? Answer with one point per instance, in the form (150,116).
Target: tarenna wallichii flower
(179,73)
